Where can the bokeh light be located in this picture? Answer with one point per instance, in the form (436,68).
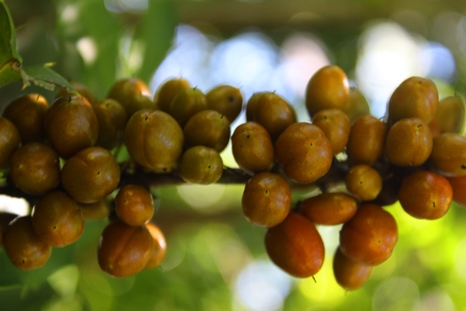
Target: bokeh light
(261,286)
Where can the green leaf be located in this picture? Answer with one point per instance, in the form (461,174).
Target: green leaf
(7,36)
(10,60)
(10,71)
(156,33)
(11,66)
(45,77)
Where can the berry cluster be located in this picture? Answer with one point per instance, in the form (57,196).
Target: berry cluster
(62,158)
(361,164)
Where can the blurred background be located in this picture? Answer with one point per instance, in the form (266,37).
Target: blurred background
(216,260)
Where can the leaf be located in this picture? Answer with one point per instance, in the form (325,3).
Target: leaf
(11,68)
(10,60)
(7,36)
(10,72)
(45,77)
(156,32)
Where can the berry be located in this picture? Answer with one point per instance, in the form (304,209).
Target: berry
(327,88)
(274,113)
(187,103)
(200,165)
(124,250)
(35,168)
(27,114)
(425,195)
(370,235)
(160,246)
(364,182)
(366,140)
(415,97)
(57,219)
(71,125)
(266,199)
(133,94)
(112,118)
(208,128)
(329,208)
(304,152)
(252,148)
(9,141)
(90,175)
(154,140)
(336,126)
(134,205)
(225,99)
(25,249)
(448,155)
(349,273)
(409,142)
(296,246)
(167,91)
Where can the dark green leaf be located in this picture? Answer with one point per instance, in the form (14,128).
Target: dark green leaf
(156,32)
(10,60)
(44,77)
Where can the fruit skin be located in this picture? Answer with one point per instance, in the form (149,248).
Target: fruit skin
(370,235)
(425,195)
(448,156)
(200,165)
(348,273)
(336,126)
(27,114)
(9,141)
(35,168)
(356,105)
(226,99)
(167,91)
(458,185)
(5,219)
(366,140)
(408,142)
(274,113)
(415,97)
(329,208)
(23,246)
(327,88)
(208,128)
(252,147)
(124,250)
(95,211)
(160,246)
(187,103)
(251,105)
(154,140)
(130,92)
(266,199)
(57,219)
(450,116)
(112,119)
(80,90)
(304,152)
(90,175)
(296,246)
(134,205)
(71,125)
(364,182)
